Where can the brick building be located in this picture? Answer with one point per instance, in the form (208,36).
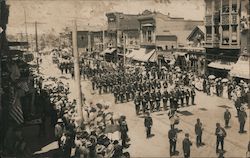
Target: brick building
(223,37)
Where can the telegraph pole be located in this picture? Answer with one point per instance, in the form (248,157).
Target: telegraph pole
(124,50)
(77,73)
(37,53)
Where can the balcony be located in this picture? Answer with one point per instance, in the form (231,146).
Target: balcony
(225,19)
(208,20)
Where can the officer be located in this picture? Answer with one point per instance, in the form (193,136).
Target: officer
(152,100)
(187,94)
(165,99)
(158,100)
(192,95)
(186,145)
(148,122)
(220,134)
(172,136)
(227,117)
(198,132)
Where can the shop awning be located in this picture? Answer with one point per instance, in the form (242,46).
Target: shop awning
(108,50)
(241,70)
(218,65)
(143,55)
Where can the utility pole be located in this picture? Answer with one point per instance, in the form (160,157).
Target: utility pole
(26,32)
(124,50)
(77,73)
(37,53)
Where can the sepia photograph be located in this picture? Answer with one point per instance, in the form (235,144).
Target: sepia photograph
(124,79)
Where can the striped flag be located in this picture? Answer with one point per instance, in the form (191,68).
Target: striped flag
(16,112)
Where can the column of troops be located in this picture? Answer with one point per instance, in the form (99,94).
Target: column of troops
(146,93)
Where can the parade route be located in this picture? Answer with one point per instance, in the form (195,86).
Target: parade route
(210,110)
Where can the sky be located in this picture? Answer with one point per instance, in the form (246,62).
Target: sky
(58,14)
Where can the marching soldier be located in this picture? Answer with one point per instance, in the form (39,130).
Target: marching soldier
(192,95)
(158,100)
(152,100)
(182,94)
(171,99)
(187,94)
(137,102)
(115,91)
(165,99)
(127,92)
(144,102)
(100,86)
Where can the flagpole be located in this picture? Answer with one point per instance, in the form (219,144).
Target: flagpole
(77,73)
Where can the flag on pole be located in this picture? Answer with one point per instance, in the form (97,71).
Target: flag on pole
(16,112)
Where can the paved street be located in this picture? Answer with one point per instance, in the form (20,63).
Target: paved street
(209,109)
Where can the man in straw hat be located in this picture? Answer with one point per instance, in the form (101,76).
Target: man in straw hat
(242,119)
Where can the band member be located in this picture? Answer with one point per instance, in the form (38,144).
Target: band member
(148,122)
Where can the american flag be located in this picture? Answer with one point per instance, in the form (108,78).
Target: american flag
(16,112)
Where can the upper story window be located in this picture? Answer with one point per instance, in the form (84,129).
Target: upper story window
(217,5)
(234,6)
(208,7)
(225,6)
(209,33)
(149,36)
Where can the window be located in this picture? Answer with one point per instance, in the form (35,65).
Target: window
(208,7)
(234,34)
(216,33)
(217,5)
(225,6)
(209,32)
(225,35)
(149,36)
(234,6)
